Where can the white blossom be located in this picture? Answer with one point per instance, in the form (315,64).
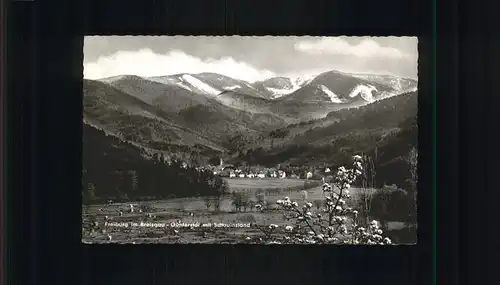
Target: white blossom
(343,229)
(335,204)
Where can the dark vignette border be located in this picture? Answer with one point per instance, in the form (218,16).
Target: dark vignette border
(44,80)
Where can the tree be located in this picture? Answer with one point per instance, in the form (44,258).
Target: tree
(327,225)
(217,203)
(251,205)
(240,201)
(208,202)
(413,165)
(368,183)
(261,197)
(378,207)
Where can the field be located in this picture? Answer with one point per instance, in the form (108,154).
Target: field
(249,183)
(193,211)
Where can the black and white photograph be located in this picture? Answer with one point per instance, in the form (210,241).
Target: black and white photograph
(250,140)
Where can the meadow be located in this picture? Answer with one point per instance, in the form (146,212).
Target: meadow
(249,183)
(194,211)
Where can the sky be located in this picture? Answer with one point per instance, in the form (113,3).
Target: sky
(248,58)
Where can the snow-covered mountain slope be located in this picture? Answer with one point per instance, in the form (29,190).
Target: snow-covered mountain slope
(173,80)
(234,87)
(333,97)
(339,88)
(189,82)
(399,84)
(280,86)
(121,113)
(200,86)
(284,97)
(211,84)
(225,83)
(365,91)
(171,97)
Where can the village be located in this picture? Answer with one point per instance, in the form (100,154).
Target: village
(259,172)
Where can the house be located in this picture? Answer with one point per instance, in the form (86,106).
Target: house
(309,175)
(281,174)
(273,174)
(261,175)
(250,175)
(241,175)
(327,170)
(232,175)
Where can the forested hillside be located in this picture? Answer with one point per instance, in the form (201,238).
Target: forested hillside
(118,170)
(386,129)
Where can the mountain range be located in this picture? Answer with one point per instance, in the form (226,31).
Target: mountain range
(214,113)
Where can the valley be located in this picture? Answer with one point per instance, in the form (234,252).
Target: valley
(172,144)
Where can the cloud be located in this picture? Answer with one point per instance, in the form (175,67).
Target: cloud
(367,48)
(146,63)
